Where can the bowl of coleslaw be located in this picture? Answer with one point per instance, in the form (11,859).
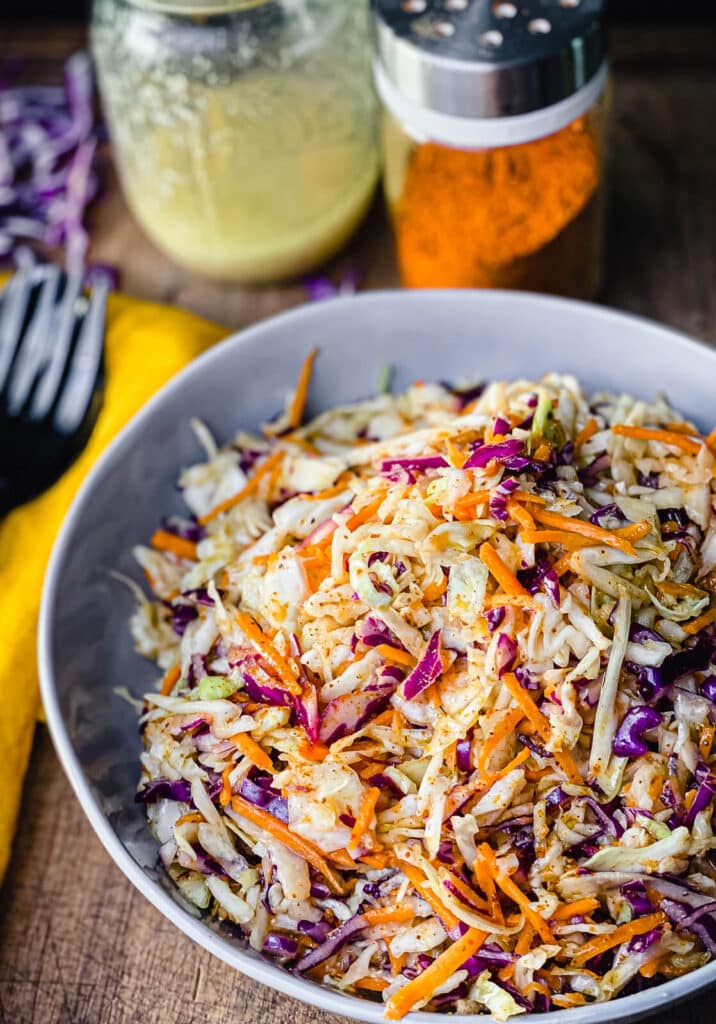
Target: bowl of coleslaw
(380,650)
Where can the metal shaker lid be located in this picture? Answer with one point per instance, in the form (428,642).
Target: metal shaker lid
(484,59)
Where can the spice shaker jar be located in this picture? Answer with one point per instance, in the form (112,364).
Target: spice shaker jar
(494,118)
(245,132)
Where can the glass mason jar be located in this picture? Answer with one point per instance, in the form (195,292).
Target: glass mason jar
(244,131)
(494,163)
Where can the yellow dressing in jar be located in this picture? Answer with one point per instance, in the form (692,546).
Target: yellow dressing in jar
(246,141)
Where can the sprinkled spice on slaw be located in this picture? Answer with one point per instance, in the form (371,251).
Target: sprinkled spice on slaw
(437,713)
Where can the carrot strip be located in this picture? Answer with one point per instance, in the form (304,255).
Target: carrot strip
(671,437)
(567,999)
(329,492)
(226,791)
(364,818)
(562,565)
(435,590)
(278,663)
(524,942)
(502,730)
(169,680)
(584,529)
(389,915)
(397,963)
(372,984)
(541,724)
(635,531)
(520,515)
(313,751)
(166,541)
(504,576)
(417,880)
(706,741)
(366,513)
(711,441)
(282,832)
(696,625)
(396,656)
(528,498)
(378,860)
(466,506)
(515,894)
(249,487)
(623,933)
(298,402)
(580,908)
(589,429)
(469,897)
(568,540)
(420,989)
(193,818)
(250,748)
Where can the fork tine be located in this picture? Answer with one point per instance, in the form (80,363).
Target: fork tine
(36,344)
(85,364)
(15,299)
(49,385)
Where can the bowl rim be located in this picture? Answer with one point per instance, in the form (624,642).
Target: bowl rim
(259,968)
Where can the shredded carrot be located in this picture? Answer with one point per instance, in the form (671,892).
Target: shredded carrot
(515,894)
(419,883)
(398,657)
(671,437)
(584,529)
(163,540)
(443,967)
(329,492)
(372,984)
(250,749)
(568,540)
(379,859)
(342,858)
(706,741)
(249,487)
(502,730)
(524,942)
(189,819)
(635,531)
(282,832)
(312,751)
(580,908)
(563,564)
(364,817)
(486,882)
(696,625)
(435,590)
(601,943)
(456,455)
(528,498)
(567,999)
(541,724)
(469,897)
(298,402)
(464,508)
(504,576)
(366,513)
(711,441)
(589,429)
(226,790)
(268,652)
(389,915)
(169,680)
(652,967)
(520,515)
(397,963)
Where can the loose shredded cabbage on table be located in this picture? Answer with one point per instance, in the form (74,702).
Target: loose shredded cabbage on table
(437,714)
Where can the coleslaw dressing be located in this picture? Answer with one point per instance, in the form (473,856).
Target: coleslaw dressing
(256,163)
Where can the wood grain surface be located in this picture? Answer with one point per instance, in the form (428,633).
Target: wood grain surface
(77,944)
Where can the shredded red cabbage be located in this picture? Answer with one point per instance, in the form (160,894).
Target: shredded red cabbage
(629,740)
(426,671)
(484,453)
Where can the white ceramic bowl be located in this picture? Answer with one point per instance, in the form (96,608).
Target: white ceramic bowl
(85,651)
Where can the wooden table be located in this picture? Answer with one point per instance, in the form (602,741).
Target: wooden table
(77,944)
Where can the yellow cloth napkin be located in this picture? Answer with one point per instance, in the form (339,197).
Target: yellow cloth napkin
(145,345)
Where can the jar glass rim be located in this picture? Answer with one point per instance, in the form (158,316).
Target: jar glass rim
(198,7)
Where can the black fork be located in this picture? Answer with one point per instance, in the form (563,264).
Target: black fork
(51,380)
